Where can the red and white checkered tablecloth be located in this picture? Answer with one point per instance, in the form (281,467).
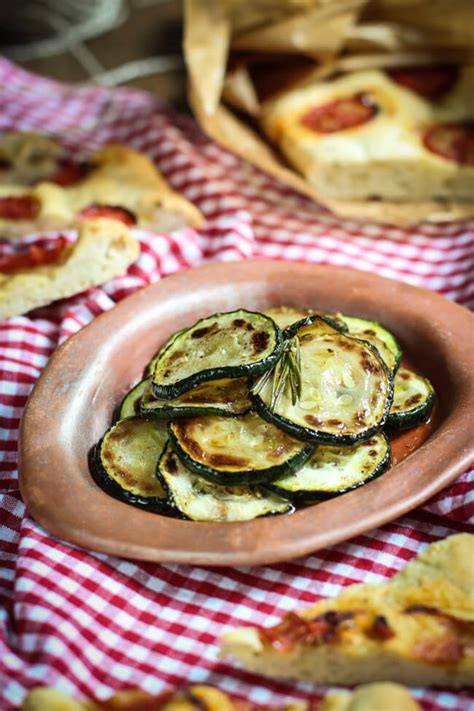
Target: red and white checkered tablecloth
(89,623)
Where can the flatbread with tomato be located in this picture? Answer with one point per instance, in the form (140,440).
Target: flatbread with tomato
(116,182)
(416,629)
(404,135)
(38,276)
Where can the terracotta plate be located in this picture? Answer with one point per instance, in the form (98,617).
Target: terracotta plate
(72,404)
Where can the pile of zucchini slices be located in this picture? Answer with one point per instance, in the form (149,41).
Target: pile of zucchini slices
(246,414)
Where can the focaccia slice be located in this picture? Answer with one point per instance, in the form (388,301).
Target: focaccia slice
(417,629)
(372,135)
(103,250)
(118,178)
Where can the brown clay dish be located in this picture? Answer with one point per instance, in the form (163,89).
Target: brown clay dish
(73,401)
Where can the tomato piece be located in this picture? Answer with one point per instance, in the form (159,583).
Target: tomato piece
(430,82)
(380,629)
(115,212)
(444,650)
(35,256)
(70,173)
(453,141)
(21,207)
(294,629)
(339,115)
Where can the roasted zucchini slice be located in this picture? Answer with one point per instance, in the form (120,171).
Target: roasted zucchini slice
(241,450)
(286,316)
(413,400)
(200,500)
(127,458)
(130,405)
(331,471)
(151,365)
(384,341)
(226,345)
(228,397)
(345,390)
(315,324)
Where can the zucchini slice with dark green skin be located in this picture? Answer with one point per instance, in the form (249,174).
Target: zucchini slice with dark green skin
(228,397)
(346,391)
(383,340)
(226,345)
(151,365)
(241,450)
(200,500)
(317,324)
(286,316)
(413,400)
(331,471)
(126,460)
(130,405)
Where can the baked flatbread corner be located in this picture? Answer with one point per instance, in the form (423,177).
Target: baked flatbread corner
(104,249)
(416,629)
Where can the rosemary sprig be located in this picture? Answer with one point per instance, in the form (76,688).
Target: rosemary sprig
(287,371)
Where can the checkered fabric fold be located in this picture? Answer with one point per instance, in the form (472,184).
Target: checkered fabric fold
(89,623)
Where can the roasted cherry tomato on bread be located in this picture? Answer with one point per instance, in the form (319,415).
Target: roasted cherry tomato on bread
(341,114)
(453,141)
(35,256)
(70,173)
(115,212)
(429,82)
(19,207)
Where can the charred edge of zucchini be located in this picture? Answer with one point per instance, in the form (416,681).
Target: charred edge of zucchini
(151,365)
(318,496)
(293,329)
(305,434)
(397,421)
(172,413)
(172,496)
(130,404)
(168,392)
(394,347)
(107,484)
(249,477)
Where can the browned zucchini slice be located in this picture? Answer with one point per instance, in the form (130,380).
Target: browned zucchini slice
(228,397)
(345,394)
(201,500)
(240,450)
(331,471)
(226,345)
(127,459)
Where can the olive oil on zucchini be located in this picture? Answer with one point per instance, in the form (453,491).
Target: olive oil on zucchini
(246,414)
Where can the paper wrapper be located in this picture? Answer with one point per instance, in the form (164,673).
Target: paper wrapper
(238,54)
